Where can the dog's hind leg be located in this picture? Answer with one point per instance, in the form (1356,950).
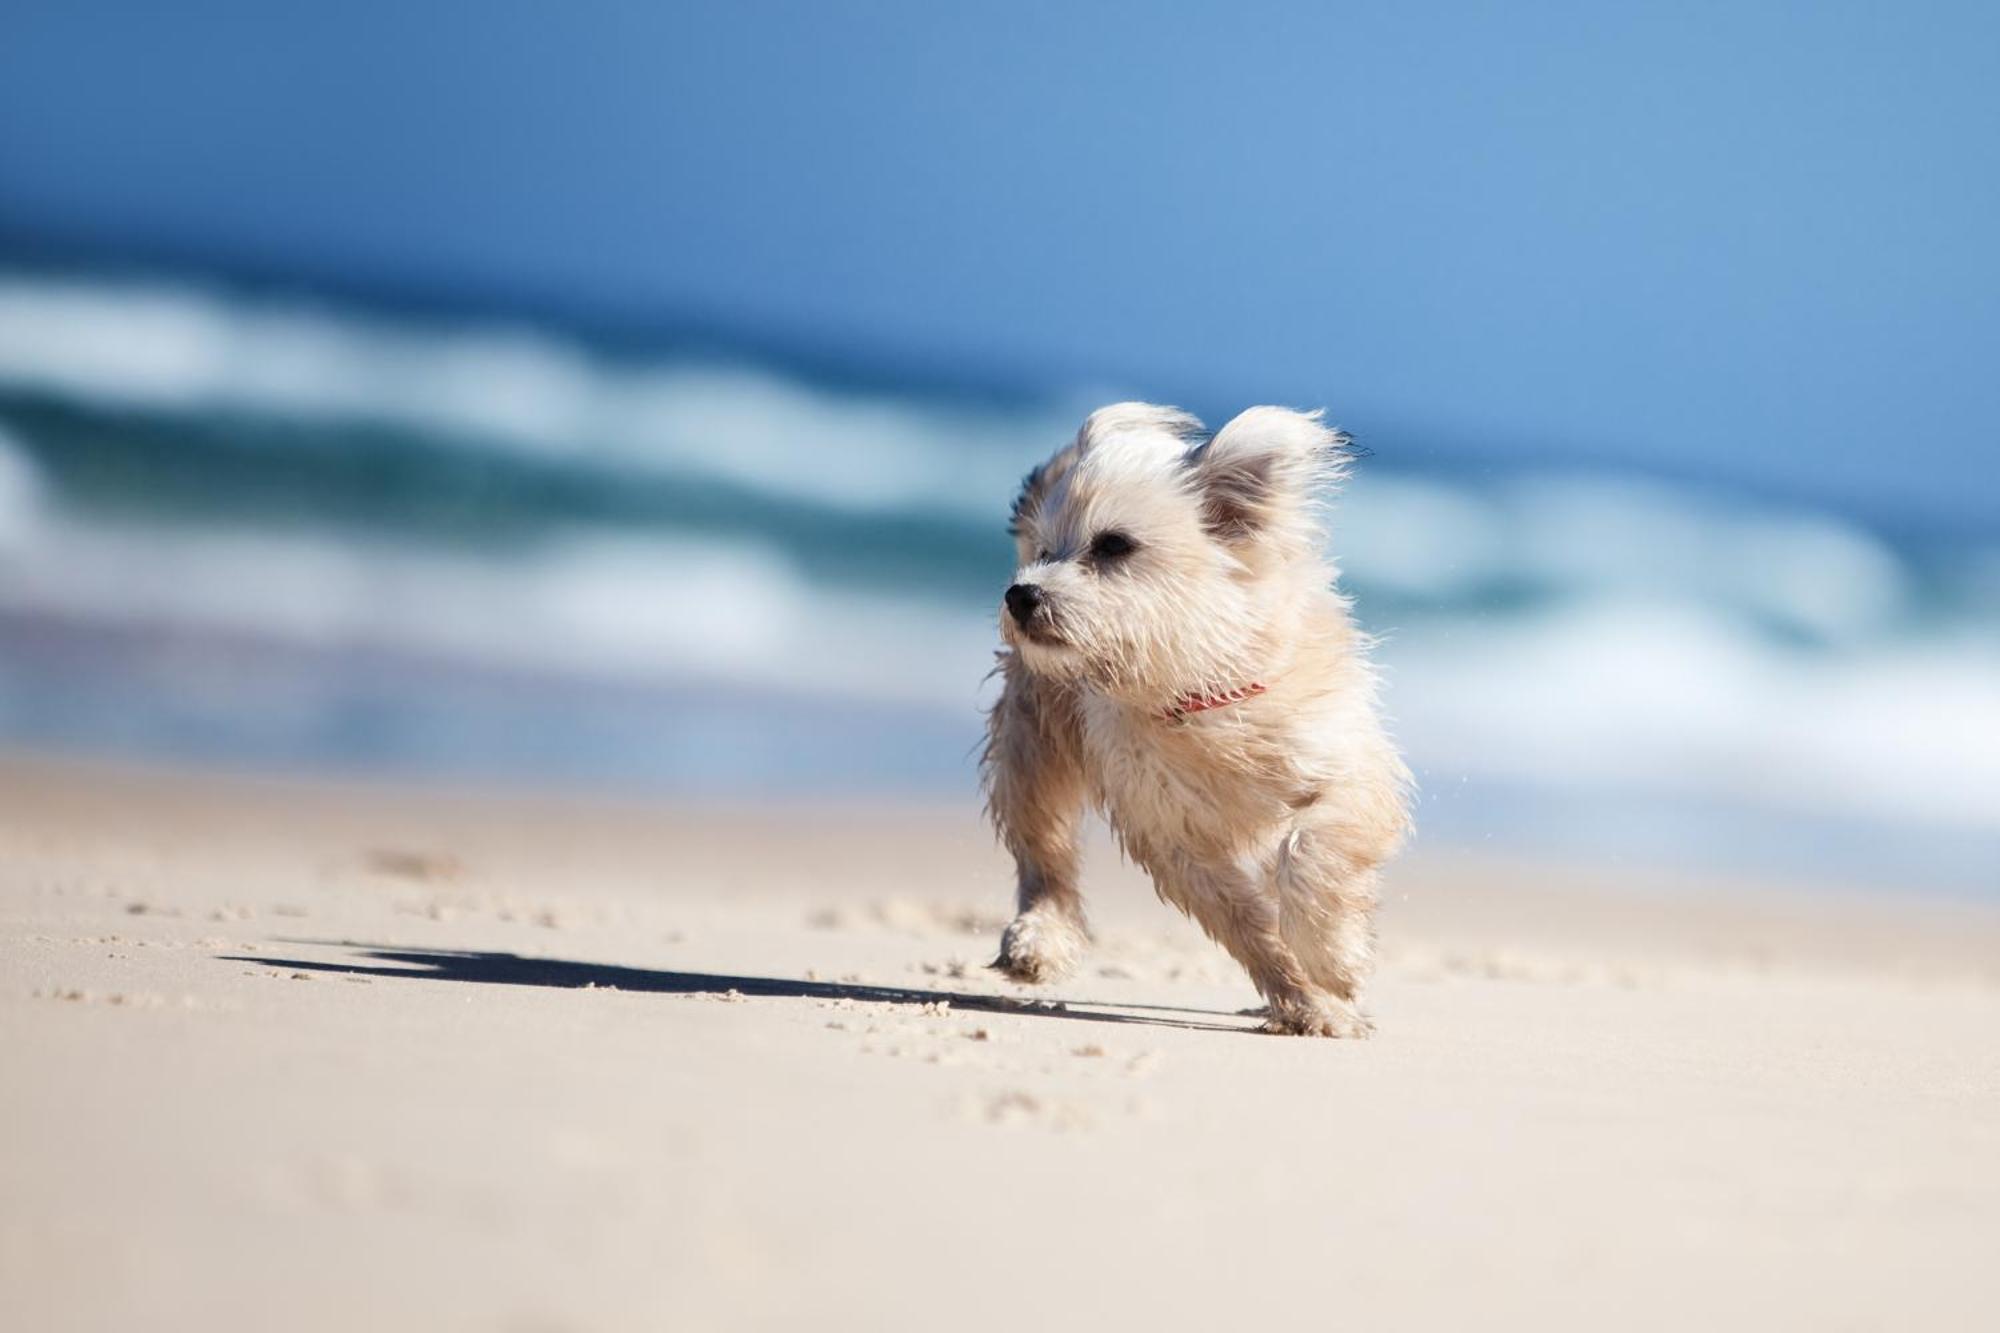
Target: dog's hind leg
(1238,910)
(1035,796)
(1326,905)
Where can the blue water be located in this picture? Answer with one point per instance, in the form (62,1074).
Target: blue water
(252,531)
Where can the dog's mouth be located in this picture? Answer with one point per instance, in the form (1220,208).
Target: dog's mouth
(1039,629)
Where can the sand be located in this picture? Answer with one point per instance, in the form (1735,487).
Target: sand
(278,1054)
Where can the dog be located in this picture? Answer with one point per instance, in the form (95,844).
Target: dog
(1177,656)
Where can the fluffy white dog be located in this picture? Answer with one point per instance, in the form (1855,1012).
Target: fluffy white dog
(1179,658)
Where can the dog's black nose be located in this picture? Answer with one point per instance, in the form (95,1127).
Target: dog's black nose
(1022,599)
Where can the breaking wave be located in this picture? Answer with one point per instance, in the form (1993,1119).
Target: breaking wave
(179,462)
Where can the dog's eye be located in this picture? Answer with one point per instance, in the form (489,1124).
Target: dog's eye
(1042,556)
(1112,546)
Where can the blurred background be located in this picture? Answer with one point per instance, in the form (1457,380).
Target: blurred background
(628,397)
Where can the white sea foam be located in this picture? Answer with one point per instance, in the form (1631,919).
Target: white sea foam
(1675,701)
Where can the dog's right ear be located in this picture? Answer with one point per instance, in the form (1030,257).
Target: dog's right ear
(1035,488)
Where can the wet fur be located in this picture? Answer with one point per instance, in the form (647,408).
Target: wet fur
(1266,820)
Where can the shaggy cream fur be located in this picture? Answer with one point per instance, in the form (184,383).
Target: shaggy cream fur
(1159,568)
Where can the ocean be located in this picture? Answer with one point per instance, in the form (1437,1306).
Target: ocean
(265,531)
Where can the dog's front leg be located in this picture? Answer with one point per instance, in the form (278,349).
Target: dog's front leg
(1035,795)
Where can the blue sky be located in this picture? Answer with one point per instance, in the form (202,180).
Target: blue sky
(1755,242)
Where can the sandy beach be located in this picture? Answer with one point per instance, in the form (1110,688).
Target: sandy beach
(319,1056)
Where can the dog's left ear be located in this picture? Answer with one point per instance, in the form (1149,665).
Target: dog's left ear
(1261,476)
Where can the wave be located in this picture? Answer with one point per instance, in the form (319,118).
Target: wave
(240,388)
(182,462)
(588,606)
(1673,702)
(165,348)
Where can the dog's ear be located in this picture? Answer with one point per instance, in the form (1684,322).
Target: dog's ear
(1035,488)
(1260,478)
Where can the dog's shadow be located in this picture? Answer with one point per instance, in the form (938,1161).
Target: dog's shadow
(511,969)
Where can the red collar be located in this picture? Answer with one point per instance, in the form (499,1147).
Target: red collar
(1201,703)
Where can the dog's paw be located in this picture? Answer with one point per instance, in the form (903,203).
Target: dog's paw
(1316,1016)
(1039,946)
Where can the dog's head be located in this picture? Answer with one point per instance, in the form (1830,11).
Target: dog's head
(1156,561)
